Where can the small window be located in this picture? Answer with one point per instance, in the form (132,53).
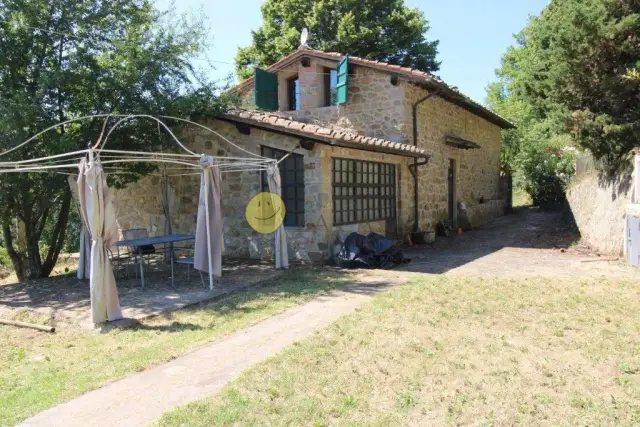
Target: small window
(330,87)
(293,92)
(292,181)
(363,191)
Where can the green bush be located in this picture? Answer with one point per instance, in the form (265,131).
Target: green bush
(72,238)
(544,172)
(72,235)
(5,263)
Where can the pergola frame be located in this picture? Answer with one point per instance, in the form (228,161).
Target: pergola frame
(185,162)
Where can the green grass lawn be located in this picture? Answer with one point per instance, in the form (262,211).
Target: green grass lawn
(453,351)
(39,370)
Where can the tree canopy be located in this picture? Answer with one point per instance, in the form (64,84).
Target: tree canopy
(573,76)
(384,30)
(60,60)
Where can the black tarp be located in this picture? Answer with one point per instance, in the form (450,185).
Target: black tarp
(373,251)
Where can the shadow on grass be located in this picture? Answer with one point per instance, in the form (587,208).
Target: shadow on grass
(297,282)
(301,283)
(172,327)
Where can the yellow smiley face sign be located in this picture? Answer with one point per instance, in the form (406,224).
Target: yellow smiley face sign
(265,212)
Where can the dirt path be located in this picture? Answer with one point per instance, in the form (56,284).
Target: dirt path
(530,243)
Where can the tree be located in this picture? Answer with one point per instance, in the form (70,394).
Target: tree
(60,60)
(535,152)
(574,70)
(384,30)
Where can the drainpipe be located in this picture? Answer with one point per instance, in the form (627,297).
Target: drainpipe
(414,168)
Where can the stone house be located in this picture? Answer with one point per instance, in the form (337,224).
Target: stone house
(376,148)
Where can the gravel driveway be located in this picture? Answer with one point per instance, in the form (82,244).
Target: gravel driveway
(527,243)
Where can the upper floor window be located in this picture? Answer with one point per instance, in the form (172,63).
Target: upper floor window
(330,87)
(293,93)
(271,96)
(292,181)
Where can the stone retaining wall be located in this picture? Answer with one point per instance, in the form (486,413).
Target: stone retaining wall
(599,207)
(483,213)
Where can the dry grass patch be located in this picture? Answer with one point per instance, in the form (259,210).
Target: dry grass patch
(453,351)
(521,198)
(66,265)
(39,370)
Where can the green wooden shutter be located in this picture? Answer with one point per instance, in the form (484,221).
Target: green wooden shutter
(343,81)
(266,90)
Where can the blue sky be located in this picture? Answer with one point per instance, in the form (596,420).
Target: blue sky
(473,34)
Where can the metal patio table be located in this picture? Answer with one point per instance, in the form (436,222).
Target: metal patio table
(171,238)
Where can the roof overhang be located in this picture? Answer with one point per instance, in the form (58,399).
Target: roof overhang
(464,144)
(455,97)
(379,146)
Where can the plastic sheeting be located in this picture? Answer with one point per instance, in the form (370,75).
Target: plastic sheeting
(372,251)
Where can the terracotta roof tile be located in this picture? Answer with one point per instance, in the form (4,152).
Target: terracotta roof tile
(296,125)
(314,130)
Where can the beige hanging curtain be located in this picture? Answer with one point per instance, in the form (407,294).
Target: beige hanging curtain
(167,202)
(208,249)
(84,259)
(281,251)
(98,212)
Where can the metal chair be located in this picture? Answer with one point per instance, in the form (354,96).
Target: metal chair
(117,258)
(135,251)
(189,261)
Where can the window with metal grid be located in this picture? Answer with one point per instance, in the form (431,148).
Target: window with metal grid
(363,191)
(292,181)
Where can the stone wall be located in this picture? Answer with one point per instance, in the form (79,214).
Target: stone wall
(477,170)
(599,205)
(139,205)
(483,213)
(375,108)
